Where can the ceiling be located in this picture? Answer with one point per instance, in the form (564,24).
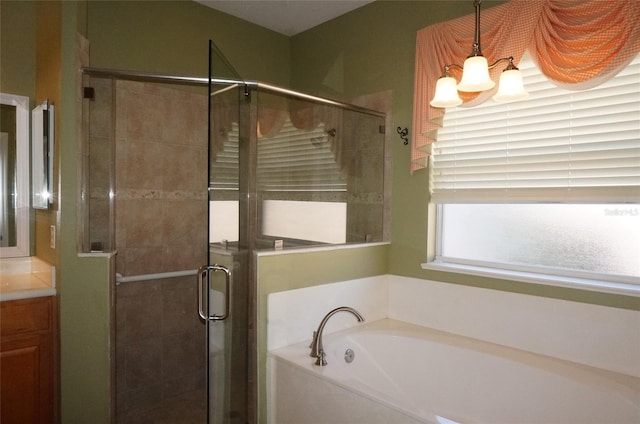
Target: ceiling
(288,17)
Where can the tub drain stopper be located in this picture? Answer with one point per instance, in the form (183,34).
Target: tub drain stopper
(349,355)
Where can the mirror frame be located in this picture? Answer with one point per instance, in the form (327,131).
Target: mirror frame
(22,247)
(42,124)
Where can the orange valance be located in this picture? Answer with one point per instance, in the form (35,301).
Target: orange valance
(577,44)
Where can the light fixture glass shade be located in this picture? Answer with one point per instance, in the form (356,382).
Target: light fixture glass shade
(511,87)
(446,93)
(475,75)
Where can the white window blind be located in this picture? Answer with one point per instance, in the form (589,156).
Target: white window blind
(555,146)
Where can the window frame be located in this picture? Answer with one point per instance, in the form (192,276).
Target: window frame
(542,275)
(526,274)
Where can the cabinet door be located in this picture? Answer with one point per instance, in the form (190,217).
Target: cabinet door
(26,374)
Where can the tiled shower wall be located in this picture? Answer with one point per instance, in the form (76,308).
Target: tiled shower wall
(161,180)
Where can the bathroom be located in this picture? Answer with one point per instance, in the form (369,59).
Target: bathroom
(340,59)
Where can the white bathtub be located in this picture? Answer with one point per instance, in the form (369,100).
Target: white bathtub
(404,373)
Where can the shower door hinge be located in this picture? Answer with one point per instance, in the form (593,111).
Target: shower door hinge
(88,93)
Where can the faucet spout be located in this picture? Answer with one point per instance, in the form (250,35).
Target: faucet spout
(317,350)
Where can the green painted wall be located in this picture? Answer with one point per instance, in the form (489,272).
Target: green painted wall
(84,296)
(373,49)
(172,37)
(30,66)
(18,47)
(18,59)
(48,58)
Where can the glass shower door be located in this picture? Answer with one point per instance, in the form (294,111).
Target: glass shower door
(223,281)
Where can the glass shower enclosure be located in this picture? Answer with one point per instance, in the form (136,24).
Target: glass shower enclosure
(286,171)
(189,180)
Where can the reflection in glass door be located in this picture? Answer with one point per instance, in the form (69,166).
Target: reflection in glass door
(225,278)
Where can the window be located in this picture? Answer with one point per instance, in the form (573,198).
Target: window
(548,186)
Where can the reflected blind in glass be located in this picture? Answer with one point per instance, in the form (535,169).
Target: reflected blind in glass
(224,169)
(555,146)
(292,160)
(298,160)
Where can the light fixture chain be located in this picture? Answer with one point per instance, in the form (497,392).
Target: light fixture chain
(477,51)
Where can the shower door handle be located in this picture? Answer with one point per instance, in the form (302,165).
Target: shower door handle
(203,292)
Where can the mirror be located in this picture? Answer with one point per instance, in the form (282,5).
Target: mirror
(42,155)
(14,175)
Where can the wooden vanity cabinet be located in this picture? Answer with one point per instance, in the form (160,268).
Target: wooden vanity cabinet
(27,361)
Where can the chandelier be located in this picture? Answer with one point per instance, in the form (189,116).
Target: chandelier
(475,76)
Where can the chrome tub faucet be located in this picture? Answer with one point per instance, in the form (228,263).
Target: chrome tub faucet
(317,350)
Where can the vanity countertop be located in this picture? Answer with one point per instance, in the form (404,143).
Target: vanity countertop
(22,278)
